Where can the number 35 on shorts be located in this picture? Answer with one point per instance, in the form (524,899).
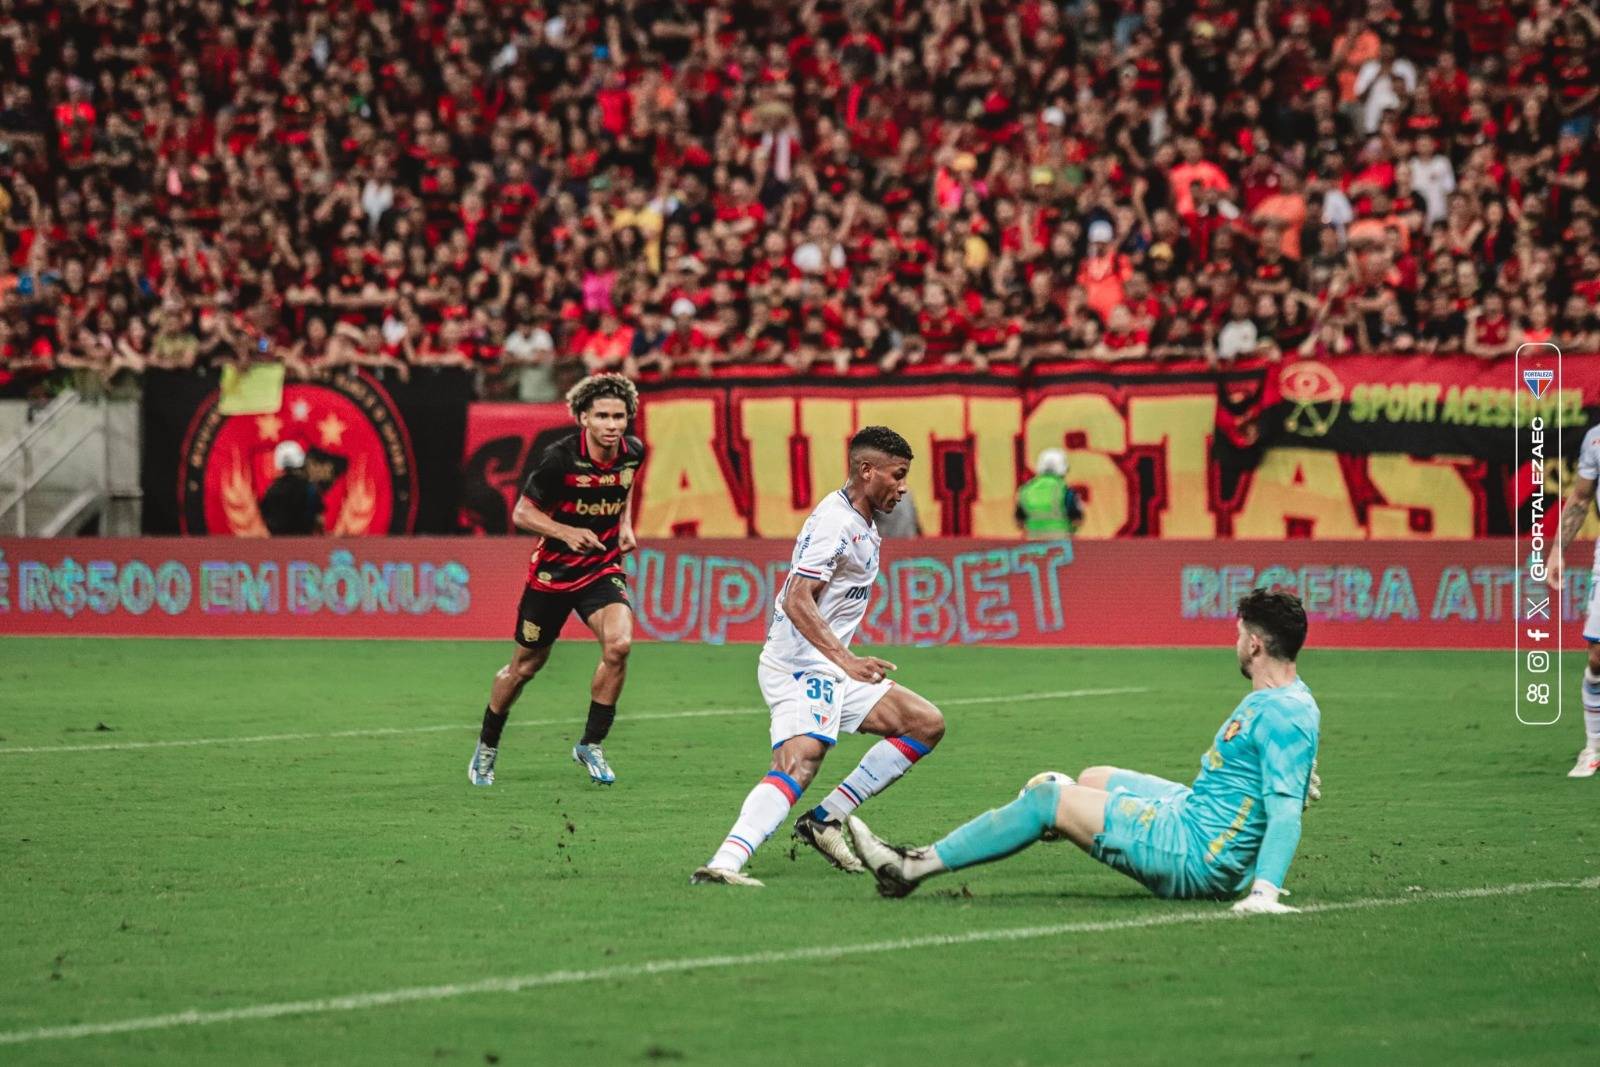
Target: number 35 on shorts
(819,690)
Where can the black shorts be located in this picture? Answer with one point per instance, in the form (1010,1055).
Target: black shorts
(543,613)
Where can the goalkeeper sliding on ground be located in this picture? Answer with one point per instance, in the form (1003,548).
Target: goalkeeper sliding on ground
(1234,831)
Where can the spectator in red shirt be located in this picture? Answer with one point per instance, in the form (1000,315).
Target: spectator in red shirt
(1122,339)
(1489,328)
(943,328)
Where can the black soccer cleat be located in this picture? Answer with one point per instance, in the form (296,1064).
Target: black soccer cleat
(829,839)
(884,860)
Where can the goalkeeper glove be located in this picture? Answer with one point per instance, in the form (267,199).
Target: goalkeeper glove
(1263,900)
(1314,790)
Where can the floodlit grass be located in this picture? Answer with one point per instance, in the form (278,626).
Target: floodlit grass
(140,882)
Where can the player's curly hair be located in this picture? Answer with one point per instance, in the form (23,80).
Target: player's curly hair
(883,439)
(581,397)
(1279,618)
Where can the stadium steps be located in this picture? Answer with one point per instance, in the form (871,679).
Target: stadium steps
(70,468)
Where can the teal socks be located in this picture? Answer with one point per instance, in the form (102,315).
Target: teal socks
(996,834)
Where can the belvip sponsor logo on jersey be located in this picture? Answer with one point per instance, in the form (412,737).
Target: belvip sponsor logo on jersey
(602,508)
(357,452)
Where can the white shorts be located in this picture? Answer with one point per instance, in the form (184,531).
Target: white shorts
(819,704)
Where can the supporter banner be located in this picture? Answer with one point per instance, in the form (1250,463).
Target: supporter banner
(386,452)
(930,592)
(502,442)
(1367,447)
(1424,405)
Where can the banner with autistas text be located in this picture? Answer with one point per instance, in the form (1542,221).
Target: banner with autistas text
(1359,448)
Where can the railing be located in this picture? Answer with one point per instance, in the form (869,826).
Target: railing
(28,461)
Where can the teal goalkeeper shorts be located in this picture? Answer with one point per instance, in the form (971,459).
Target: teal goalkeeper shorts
(1147,838)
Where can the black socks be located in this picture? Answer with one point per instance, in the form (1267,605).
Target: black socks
(594,731)
(492,725)
(599,724)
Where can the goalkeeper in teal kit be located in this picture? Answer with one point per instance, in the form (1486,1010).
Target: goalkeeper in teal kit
(1233,832)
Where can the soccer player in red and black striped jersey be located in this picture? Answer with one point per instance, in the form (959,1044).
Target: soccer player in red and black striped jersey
(578,499)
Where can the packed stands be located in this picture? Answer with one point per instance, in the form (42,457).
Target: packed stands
(678,188)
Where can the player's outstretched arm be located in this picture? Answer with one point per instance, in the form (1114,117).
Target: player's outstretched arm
(1572,516)
(529,518)
(800,604)
(1287,748)
(1272,863)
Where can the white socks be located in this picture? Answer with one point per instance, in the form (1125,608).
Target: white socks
(1591,706)
(883,764)
(764,811)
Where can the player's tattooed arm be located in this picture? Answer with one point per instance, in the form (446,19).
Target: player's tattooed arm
(528,518)
(1572,516)
(800,604)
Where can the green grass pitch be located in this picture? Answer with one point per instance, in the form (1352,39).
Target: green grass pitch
(144,881)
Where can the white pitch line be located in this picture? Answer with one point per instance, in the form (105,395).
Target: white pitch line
(1019,698)
(515,984)
(396,731)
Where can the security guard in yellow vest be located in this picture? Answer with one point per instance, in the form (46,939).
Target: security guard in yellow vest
(1047,508)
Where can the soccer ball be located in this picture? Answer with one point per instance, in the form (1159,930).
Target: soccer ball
(1046,776)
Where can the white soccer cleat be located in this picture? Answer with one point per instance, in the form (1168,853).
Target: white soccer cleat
(593,759)
(882,859)
(723,876)
(1588,764)
(480,771)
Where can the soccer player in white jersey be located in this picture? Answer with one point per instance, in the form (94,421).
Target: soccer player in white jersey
(1572,516)
(816,687)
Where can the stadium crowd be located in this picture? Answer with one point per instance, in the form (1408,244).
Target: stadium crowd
(680,187)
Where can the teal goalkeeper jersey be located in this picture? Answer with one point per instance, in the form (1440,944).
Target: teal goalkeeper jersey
(1264,751)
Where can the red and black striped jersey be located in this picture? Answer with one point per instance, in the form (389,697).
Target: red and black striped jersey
(573,487)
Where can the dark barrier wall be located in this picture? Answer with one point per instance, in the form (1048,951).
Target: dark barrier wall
(171,400)
(1407,594)
(391,448)
(1364,447)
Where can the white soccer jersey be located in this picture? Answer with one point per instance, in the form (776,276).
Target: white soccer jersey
(1589,467)
(839,547)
